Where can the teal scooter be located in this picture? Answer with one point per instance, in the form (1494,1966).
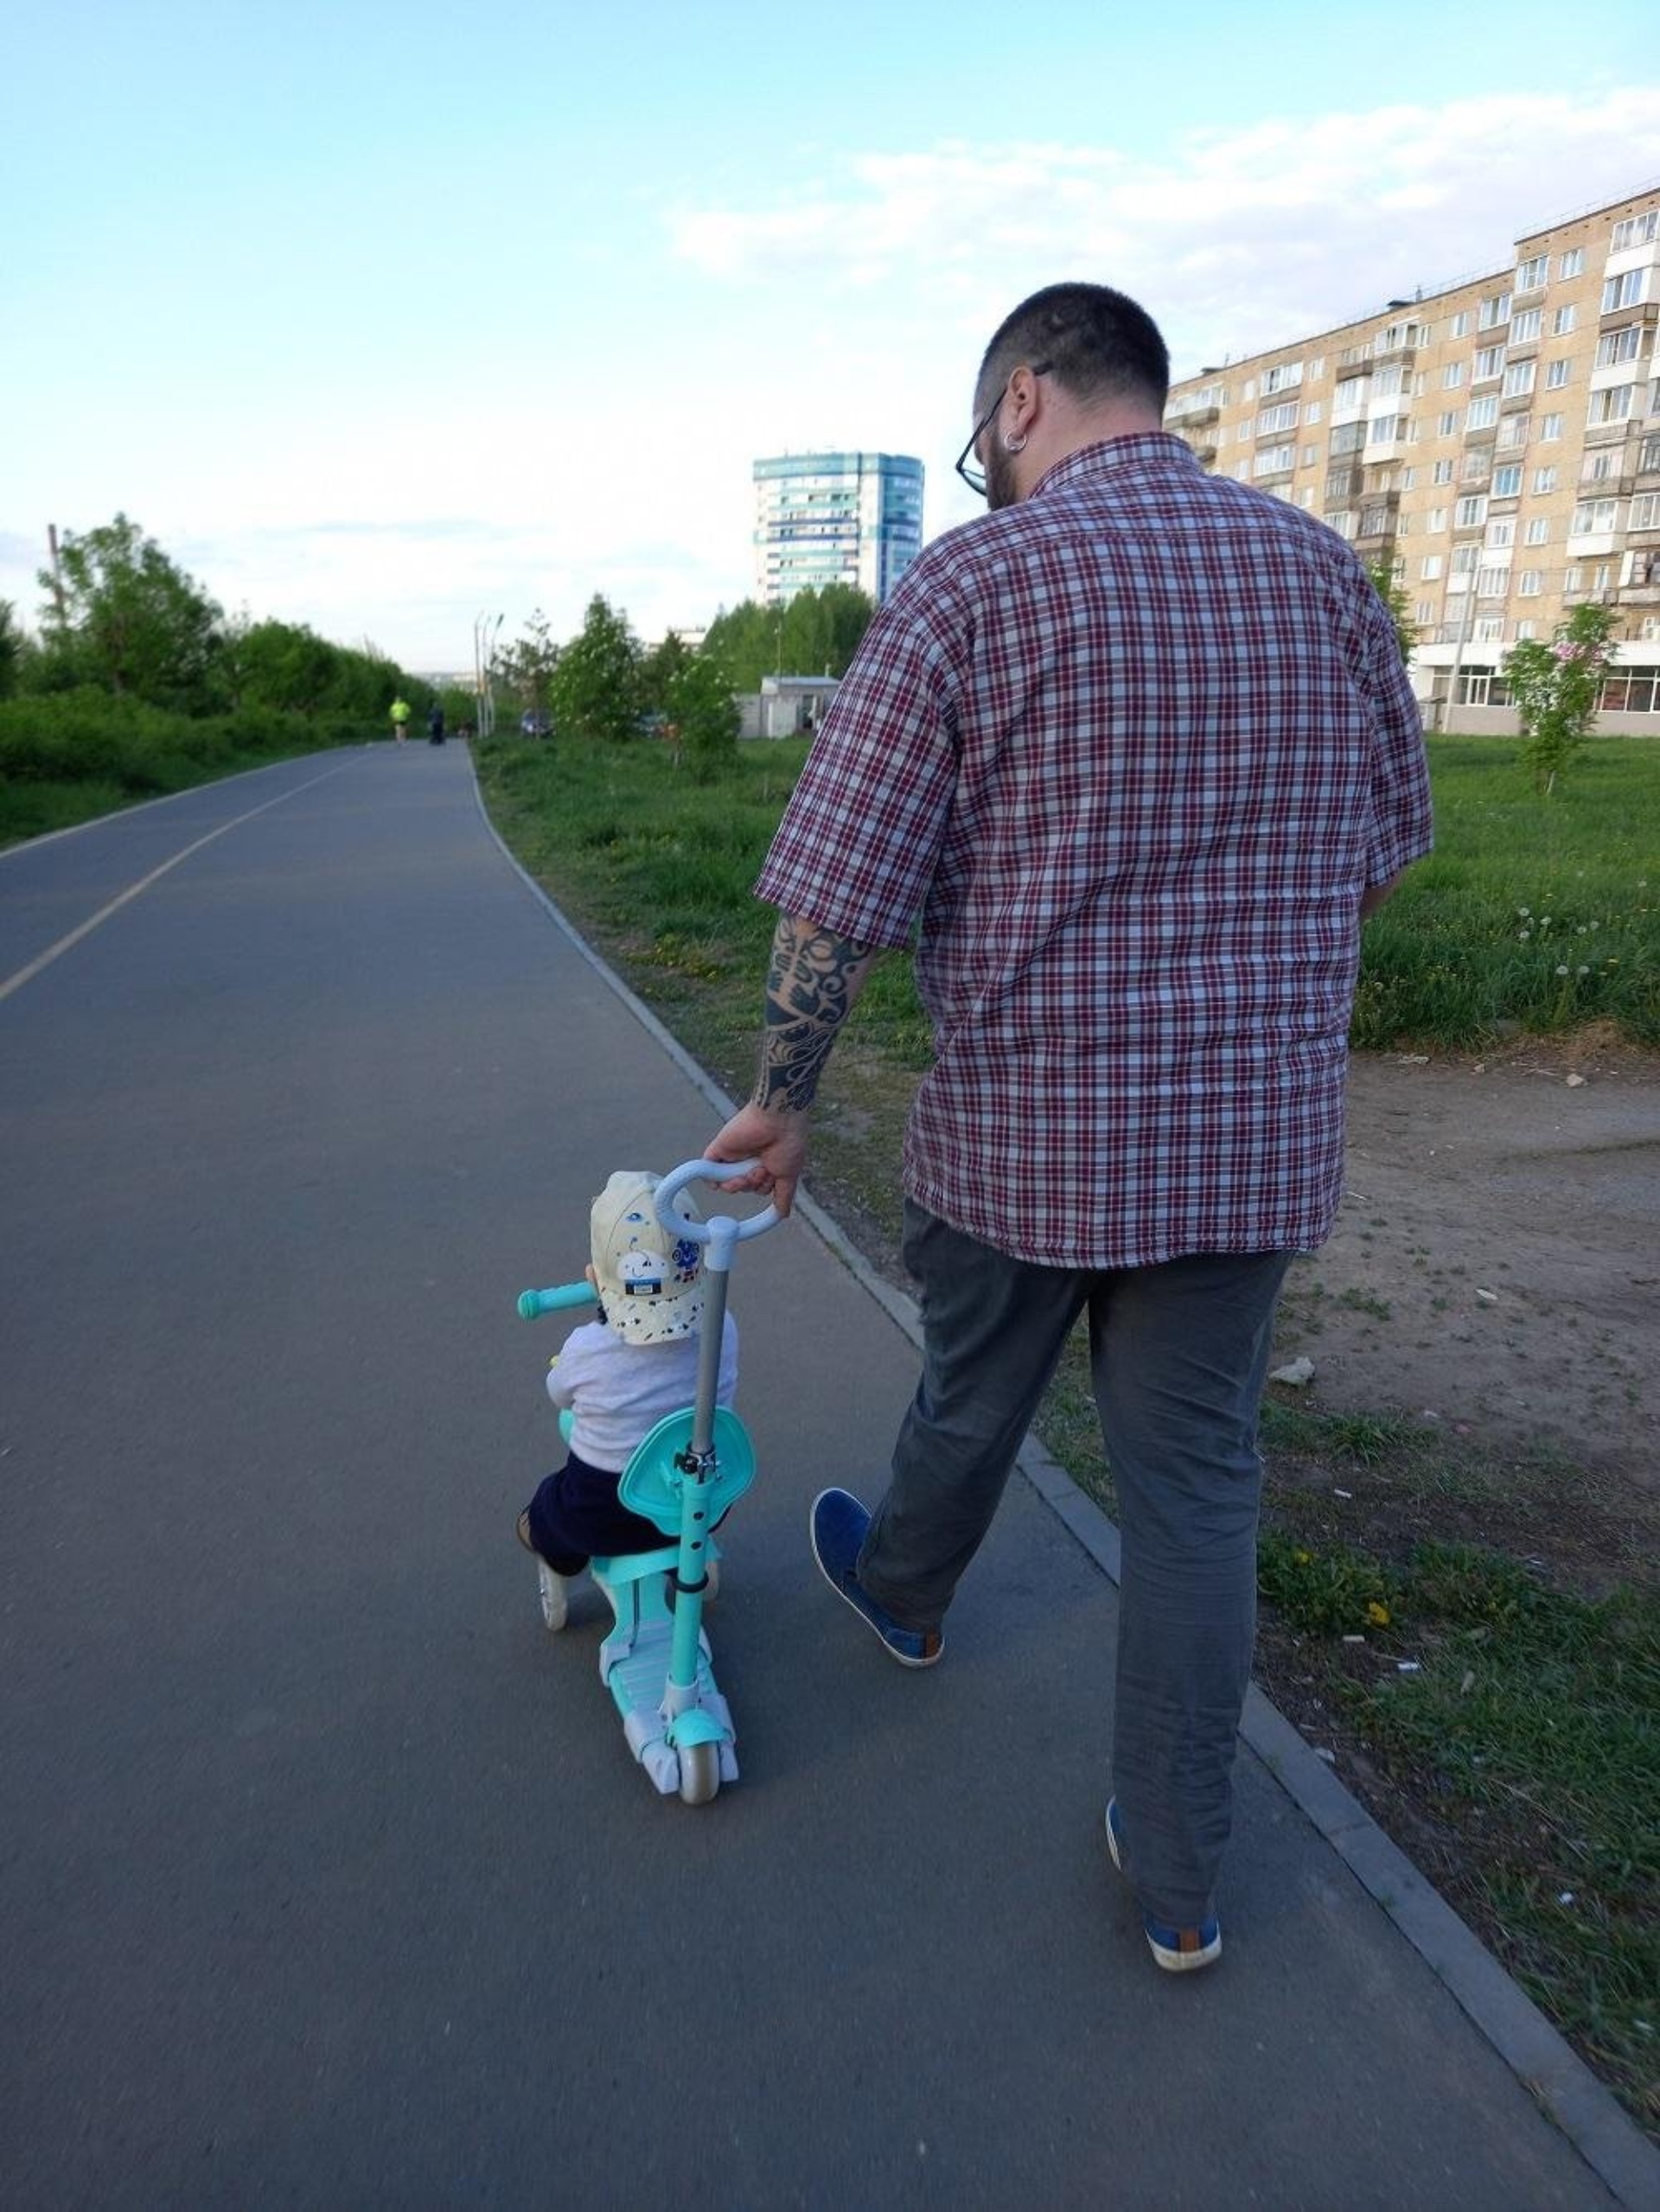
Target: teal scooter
(686,1475)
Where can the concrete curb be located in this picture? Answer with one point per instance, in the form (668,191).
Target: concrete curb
(1558,2080)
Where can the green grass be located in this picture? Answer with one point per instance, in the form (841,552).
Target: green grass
(643,853)
(1518,888)
(1527,1720)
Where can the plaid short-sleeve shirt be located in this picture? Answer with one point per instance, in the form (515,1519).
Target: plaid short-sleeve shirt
(1121,759)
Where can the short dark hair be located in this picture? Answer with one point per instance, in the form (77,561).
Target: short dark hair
(1097,343)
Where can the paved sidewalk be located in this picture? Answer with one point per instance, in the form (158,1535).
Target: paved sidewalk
(326,1879)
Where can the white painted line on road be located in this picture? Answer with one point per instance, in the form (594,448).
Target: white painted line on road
(64,944)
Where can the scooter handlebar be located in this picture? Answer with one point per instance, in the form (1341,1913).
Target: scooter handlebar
(709,1171)
(533,1303)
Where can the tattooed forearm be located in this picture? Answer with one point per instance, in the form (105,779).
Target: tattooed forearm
(812,977)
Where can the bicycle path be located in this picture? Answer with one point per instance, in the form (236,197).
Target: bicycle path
(326,1879)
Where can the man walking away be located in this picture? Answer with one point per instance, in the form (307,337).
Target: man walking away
(1132,755)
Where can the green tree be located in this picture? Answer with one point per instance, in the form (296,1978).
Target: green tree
(701,706)
(11,649)
(282,665)
(1391,589)
(817,634)
(1556,690)
(525,668)
(120,614)
(594,691)
(658,671)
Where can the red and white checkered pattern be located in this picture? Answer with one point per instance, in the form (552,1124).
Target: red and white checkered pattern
(1128,753)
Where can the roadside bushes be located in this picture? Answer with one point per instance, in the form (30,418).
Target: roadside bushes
(86,735)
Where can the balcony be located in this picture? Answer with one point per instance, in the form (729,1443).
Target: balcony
(1192,414)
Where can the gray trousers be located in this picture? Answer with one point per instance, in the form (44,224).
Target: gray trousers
(1178,1354)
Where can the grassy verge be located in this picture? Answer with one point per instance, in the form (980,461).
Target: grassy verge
(1514,1753)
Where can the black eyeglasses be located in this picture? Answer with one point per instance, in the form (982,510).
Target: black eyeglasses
(968,466)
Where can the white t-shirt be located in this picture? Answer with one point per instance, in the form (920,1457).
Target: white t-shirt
(619,1392)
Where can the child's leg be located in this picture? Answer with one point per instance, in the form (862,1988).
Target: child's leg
(576,1514)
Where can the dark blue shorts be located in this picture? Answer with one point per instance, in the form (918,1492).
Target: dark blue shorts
(576,1516)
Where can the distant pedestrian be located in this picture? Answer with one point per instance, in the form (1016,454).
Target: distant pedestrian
(400,719)
(435,724)
(1132,755)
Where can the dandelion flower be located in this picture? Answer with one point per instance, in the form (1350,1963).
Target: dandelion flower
(1523,935)
(1301,1558)
(1561,970)
(1521,913)
(1584,970)
(1378,1615)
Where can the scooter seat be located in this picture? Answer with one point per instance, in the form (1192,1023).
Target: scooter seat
(652,1482)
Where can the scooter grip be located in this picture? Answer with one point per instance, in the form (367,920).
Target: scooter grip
(533,1303)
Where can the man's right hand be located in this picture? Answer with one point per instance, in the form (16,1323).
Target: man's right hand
(776,1140)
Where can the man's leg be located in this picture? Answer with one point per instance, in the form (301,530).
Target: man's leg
(992,1330)
(1180,1352)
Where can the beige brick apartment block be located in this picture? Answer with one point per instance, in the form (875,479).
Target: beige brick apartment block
(1497,443)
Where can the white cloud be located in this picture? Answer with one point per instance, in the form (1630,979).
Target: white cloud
(1235,240)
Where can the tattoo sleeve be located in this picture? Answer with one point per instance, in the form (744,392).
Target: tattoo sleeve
(812,977)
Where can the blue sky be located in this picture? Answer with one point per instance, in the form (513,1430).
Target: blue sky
(380,316)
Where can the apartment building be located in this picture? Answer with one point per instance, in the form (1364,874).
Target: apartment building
(835,518)
(1497,443)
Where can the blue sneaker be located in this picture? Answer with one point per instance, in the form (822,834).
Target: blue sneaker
(837,1524)
(1178,1950)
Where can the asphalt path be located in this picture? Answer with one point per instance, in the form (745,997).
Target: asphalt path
(325,1876)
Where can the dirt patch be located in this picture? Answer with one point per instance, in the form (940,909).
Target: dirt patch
(1496,1267)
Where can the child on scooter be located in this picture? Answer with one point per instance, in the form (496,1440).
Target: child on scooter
(620,1375)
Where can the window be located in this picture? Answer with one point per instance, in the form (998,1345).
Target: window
(1426,612)
(1550,428)
(1530,583)
(1386,382)
(1557,373)
(1348,438)
(1311,413)
(1518,379)
(1495,309)
(1317,368)
(1275,460)
(1409,478)
(1563,320)
(1592,518)
(1616,404)
(1531,274)
(1526,326)
(1285,376)
(1342,523)
(1636,230)
(1305,497)
(1490,360)
(1571,263)
(1470,512)
(1597,467)
(1646,512)
(1538,531)
(1625,290)
(1460,326)
(1481,413)
(1437,519)
(1649,457)
(1489,630)
(1573,577)
(1442,472)
(1623,345)
(1453,375)
(1465,560)
(1501,533)
(1514,431)
(1446,425)
(1250,392)
(1476,465)
(1283,417)
(1311,455)
(1388,429)
(1544,479)
(1429,569)
(1375,522)
(1602,575)
(1507,481)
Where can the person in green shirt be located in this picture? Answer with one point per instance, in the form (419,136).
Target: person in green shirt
(400,719)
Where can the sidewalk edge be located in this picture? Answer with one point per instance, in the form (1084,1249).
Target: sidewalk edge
(1547,2067)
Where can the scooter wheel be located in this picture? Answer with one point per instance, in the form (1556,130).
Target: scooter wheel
(700,1773)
